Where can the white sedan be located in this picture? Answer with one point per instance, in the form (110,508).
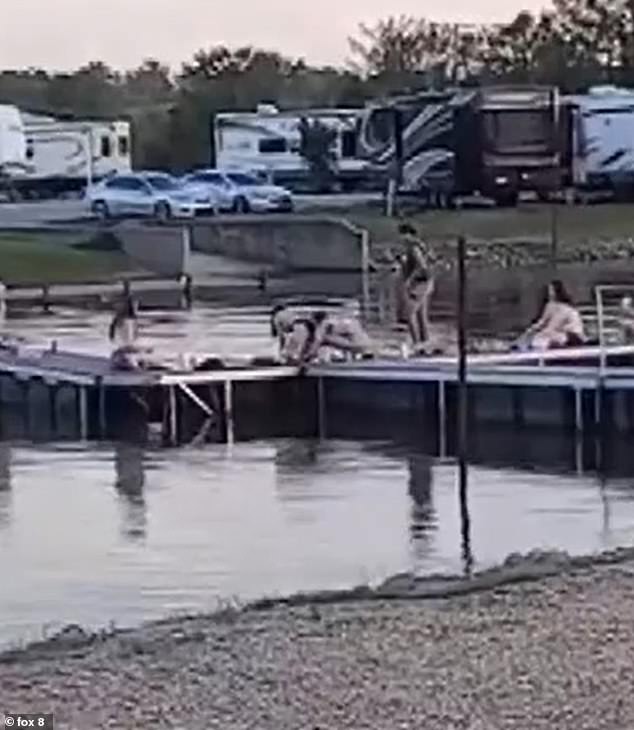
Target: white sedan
(148,194)
(240,192)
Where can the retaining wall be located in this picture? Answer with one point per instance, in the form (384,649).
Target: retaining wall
(286,242)
(163,250)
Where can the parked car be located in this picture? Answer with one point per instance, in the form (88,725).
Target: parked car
(148,194)
(240,192)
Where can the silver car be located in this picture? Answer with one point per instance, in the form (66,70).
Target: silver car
(149,195)
(240,192)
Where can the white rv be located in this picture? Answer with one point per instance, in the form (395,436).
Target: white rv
(68,156)
(268,142)
(601,135)
(12,145)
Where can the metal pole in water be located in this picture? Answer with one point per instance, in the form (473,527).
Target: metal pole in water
(173,416)
(463,405)
(229,411)
(554,236)
(83,413)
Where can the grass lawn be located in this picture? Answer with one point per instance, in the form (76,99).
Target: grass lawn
(31,259)
(526,223)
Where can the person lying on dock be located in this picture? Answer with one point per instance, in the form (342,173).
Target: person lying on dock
(559,325)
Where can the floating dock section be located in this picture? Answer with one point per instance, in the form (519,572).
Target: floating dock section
(97,400)
(576,391)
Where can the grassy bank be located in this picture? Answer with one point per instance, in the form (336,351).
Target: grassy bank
(32,259)
(529,222)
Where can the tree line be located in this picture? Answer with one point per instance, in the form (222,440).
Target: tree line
(574,44)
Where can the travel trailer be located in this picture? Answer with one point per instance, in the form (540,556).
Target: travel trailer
(64,156)
(12,146)
(599,140)
(267,142)
(494,141)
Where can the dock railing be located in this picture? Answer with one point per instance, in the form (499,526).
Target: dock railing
(614,318)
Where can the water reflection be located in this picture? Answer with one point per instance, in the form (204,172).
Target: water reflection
(422,513)
(5,484)
(130,483)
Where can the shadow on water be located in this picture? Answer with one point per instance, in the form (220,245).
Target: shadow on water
(5,484)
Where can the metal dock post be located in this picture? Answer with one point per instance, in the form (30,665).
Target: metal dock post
(229,411)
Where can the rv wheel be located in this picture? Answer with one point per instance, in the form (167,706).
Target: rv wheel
(100,209)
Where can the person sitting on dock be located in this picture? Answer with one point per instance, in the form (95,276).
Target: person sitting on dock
(298,341)
(559,325)
(124,334)
(282,319)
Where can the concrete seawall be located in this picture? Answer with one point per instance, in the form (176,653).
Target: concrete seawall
(288,242)
(163,250)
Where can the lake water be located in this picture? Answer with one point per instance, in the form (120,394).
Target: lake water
(128,532)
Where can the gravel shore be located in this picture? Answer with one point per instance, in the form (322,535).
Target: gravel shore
(554,652)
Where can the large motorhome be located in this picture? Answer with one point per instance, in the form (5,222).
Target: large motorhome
(268,142)
(494,141)
(12,145)
(65,156)
(599,140)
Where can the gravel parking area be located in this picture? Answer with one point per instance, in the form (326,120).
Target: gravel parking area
(557,652)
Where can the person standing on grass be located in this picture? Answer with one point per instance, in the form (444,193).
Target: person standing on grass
(415,286)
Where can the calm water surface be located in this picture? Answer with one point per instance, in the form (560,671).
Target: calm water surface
(128,533)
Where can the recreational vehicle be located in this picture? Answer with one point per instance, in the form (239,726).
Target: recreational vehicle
(599,140)
(66,156)
(12,145)
(495,142)
(268,142)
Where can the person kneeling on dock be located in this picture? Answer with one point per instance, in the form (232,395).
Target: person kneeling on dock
(559,325)
(344,335)
(303,339)
(124,334)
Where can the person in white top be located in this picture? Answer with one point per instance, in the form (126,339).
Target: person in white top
(560,323)
(124,335)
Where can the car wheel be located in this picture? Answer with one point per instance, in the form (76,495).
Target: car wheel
(101,210)
(162,212)
(241,205)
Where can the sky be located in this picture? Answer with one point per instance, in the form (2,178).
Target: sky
(63,34)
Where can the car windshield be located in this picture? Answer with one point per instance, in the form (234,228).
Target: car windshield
(239,178)
(208,177)
(162,182)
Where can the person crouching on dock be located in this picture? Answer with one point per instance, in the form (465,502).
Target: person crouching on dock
(303,339)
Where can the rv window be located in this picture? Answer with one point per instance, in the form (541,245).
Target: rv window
(106,147)
(30,149)
(272,145)
(518,129)
(124,146)
(349,143)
